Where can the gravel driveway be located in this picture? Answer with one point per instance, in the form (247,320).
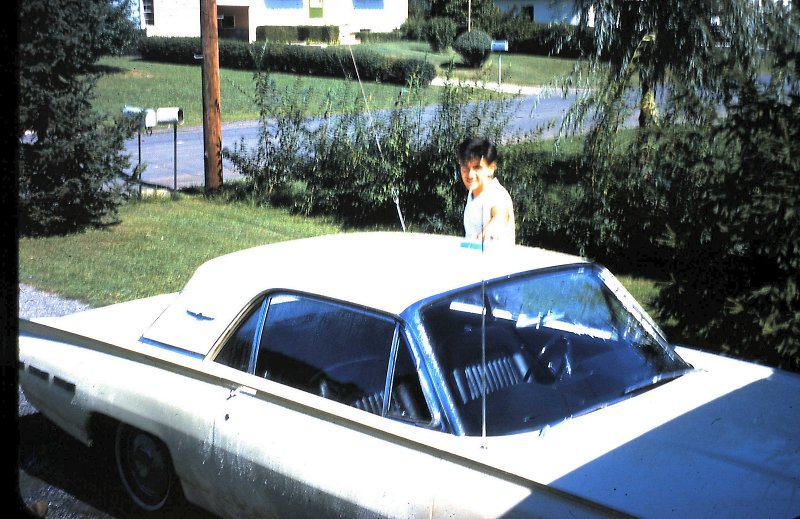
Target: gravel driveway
(35,303)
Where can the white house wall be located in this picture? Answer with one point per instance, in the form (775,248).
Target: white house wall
(182,17)
(545,11)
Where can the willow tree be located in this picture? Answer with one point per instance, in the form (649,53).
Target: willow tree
(708,193)
(670,50)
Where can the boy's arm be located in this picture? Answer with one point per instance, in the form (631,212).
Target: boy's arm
(500,217)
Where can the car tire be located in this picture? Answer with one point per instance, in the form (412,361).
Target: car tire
(145,468)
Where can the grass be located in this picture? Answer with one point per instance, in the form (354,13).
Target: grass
(518,69)
(155,248)
(160,242)
(146,84)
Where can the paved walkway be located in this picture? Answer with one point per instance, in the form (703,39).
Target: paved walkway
(493,85)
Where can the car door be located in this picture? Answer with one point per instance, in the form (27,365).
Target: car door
(277,451)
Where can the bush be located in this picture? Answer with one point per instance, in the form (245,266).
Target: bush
(474,47)
(414,28)
(377,37)
(297,33)
(334,61)
(351,167)
(440,33)
(277,33)
(527,37)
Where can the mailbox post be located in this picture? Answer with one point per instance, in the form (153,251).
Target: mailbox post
(174,116)
(499,46)
(146,119)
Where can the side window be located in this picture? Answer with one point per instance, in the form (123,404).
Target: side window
(328,349)
(238,351)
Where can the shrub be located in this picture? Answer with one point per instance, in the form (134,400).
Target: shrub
(474,47)
(352,167)
(334,61)
(277,33)
(527,37)
(440,33)
(377,37)
(414,28)
(296,33)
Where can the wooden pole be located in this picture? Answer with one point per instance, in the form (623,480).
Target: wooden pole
(212,128)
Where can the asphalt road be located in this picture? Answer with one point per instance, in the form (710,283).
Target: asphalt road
(173,156)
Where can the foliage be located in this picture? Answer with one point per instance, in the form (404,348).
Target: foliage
(296,33)
(474,47)
(736,206)
(377,37)
(68,157)
(440,33)
(414,28)
(468,14)
(706,190)
(333,61)
(545,39)
(358,166)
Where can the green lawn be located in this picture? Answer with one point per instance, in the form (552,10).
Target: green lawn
(146,84)
(518,69)
(158,244)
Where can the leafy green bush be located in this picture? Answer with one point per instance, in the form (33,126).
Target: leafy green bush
(352,166)
(414,28)
(545,39)
(297,33)
(474,47)
(440,33)
(333,61)
(277,33)
(377,37)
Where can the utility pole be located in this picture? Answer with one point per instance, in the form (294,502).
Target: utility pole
(212,128)
(469,15)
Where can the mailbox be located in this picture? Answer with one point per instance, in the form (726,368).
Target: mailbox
(145,116)
(499,45)
(169,115)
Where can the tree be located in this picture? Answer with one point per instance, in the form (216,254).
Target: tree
(483,13)
(649,43)
(708,193)
(68,154)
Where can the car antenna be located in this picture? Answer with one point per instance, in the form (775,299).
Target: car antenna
(395,194)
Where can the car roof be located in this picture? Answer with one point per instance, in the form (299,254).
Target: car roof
(387,271)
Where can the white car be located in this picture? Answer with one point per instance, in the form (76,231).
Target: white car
(412,375)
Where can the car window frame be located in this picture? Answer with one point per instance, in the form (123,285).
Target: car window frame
(400,335)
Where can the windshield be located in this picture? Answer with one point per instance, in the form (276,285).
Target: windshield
(557,344)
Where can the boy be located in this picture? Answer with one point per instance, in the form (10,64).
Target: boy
(488,213)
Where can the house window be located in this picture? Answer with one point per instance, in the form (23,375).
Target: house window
(315,9)
(147,12)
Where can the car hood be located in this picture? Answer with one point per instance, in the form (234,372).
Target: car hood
(721,441)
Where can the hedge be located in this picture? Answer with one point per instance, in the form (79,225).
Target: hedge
(297,33)
(333,61)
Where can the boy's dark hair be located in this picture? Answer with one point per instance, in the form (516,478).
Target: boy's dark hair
(476,148)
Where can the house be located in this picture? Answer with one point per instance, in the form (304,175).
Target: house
(239,18)
(543,11)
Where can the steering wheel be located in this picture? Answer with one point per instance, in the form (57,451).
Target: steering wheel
(553,361)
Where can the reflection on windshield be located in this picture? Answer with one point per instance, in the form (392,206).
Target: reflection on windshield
(557,344)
